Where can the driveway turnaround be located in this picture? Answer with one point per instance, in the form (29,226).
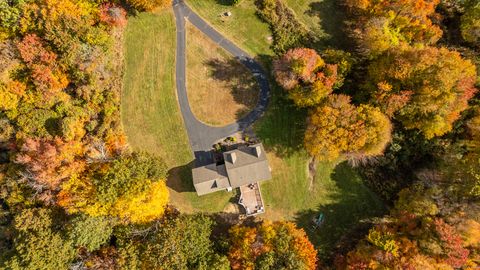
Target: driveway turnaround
(203,136)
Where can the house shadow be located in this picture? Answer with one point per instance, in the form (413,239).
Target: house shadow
(332,23)
(180,178)
(349,209)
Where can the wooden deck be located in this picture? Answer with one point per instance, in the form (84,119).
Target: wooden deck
(251,199)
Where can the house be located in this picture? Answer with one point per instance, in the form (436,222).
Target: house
(244,166)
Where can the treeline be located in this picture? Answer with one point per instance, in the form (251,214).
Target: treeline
(72,193)
(408,117)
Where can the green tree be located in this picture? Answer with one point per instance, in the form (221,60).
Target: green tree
(127,174)
(131,188)
(39,244)
(470,23)
(176,243)
(90,232)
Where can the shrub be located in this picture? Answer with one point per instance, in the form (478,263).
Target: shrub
(288,32)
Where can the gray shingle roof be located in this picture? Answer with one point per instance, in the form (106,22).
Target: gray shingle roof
(250,165)
(210,178)
(243,166)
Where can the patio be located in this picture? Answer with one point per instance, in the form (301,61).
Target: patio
(251,199)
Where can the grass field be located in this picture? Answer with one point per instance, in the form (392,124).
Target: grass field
(220,89)
(150,112)
(243,27)
(324,17)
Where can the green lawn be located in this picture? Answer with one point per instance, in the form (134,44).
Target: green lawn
(337,190)
(243,27)
(324,17)
(150,112)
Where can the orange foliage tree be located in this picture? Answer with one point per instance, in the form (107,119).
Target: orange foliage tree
(271,246)
(380,25)
(305,76)
(427,88)
(49,162)
(42,64)
(113,15)
(338,127)
(149,5)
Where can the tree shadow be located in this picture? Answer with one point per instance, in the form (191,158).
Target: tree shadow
(332,22)
(282,127)
(225,2)
(238,79)
(349,209)
(180,178)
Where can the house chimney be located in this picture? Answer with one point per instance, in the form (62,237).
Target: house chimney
(233,157)
(257,151)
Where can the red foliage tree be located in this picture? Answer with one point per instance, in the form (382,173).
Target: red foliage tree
(452,244)
(42,63)
(305,76)
(113,15)
(47,162)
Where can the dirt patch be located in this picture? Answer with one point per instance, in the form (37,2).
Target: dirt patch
(220,89)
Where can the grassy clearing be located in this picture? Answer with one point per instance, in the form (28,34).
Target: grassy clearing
(220,89)
(324,17)
(337,190)
(150,112)
(243,27)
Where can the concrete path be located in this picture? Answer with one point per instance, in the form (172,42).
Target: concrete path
(203,136)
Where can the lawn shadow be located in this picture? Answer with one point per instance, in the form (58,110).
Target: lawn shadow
(350,209)
(225,2)
(332,18)
(180,178)
(282,127)
(239,80)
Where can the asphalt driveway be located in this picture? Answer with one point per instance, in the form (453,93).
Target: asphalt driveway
(203,136)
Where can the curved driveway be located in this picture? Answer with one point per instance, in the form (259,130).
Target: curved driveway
(202,136)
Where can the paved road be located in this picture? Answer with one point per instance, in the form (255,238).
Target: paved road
(202,136)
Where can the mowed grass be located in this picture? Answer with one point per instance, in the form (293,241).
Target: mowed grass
(325,18)
(220,89)
(243,28)
(150,112)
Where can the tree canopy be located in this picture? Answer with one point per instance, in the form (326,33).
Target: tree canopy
(277,245)
(305,76)
(338,127)
(381,25)
(425,89)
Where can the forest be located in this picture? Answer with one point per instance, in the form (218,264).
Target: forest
(400,102)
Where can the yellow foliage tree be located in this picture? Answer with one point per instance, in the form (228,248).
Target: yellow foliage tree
(148,5)
(130,188)
(145,206)
(339,127)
